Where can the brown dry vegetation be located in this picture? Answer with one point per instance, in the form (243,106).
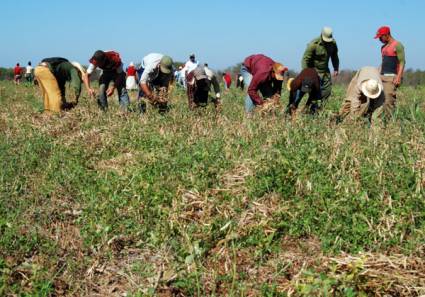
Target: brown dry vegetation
(206,204)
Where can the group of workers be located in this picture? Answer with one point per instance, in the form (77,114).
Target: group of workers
(372,90)
(27,71)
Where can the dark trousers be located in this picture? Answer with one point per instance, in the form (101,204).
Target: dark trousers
(104,81)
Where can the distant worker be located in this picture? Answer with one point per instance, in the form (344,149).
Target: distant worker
(364,95)
(52,75)
(199,82)
(29,76)
(392,67)
(157,74)
(227,80)
(307,82)
(191,64)
(131,83)
(112,77)
(262,74)
(239,81)
(317,55)
(17,74)
(179,77)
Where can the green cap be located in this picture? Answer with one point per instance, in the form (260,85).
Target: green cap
(166,64)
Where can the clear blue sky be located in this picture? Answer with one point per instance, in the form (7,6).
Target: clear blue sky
(220,32)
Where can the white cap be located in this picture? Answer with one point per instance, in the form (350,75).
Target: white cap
(131,64)
(327,34)
(371,88)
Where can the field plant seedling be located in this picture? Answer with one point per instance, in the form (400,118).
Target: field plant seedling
(206,203)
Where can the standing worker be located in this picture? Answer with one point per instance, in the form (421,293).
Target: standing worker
(17,74)
(227,80)
(392,67)
(317,55)
(29,77)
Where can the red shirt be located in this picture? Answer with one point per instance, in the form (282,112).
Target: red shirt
(17,70)
(260,68)
(131,71)
(228,79)
(112,61)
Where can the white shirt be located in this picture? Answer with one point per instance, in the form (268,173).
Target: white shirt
(189,66)
(29,69)
(150,65)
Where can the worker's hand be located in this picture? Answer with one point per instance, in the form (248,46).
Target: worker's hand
(91,92)
(336,72)
(276,98)
(397,81)
(110,91)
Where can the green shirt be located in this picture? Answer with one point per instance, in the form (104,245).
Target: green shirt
(400,53)
(66,72)
(318,54)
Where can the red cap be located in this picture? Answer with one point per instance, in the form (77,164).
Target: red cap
(383,31)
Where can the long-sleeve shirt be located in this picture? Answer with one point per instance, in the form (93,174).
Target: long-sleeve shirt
(355,96)
(310,74)
(318,54)
(260,68)
(212,76)
(65,72)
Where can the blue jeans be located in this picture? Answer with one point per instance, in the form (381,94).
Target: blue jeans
(311,102)
(104,81)
(247,77)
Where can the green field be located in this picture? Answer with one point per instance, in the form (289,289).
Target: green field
(210,204)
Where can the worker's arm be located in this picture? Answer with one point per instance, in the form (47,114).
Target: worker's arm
(215,84)
(75,84)
(90,71)
(256,81)
(146,90)
(118,82)
(402,63)
(335,60)
(308,56)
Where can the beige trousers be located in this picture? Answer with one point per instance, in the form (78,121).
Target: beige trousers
(50,89)
(390,92)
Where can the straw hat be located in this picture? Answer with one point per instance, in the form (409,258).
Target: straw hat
(371,88)
(288,84)
(279,70)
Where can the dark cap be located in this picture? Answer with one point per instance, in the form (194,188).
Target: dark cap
(99,56)
(306,85)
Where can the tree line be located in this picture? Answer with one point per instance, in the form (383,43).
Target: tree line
(411,77)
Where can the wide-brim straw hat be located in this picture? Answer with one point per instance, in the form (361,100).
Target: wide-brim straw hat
(279,70)
(371,88)
(288,84)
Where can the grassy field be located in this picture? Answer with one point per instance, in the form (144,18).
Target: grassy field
(206,204)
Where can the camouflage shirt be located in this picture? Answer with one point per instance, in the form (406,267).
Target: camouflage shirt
(318,53)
